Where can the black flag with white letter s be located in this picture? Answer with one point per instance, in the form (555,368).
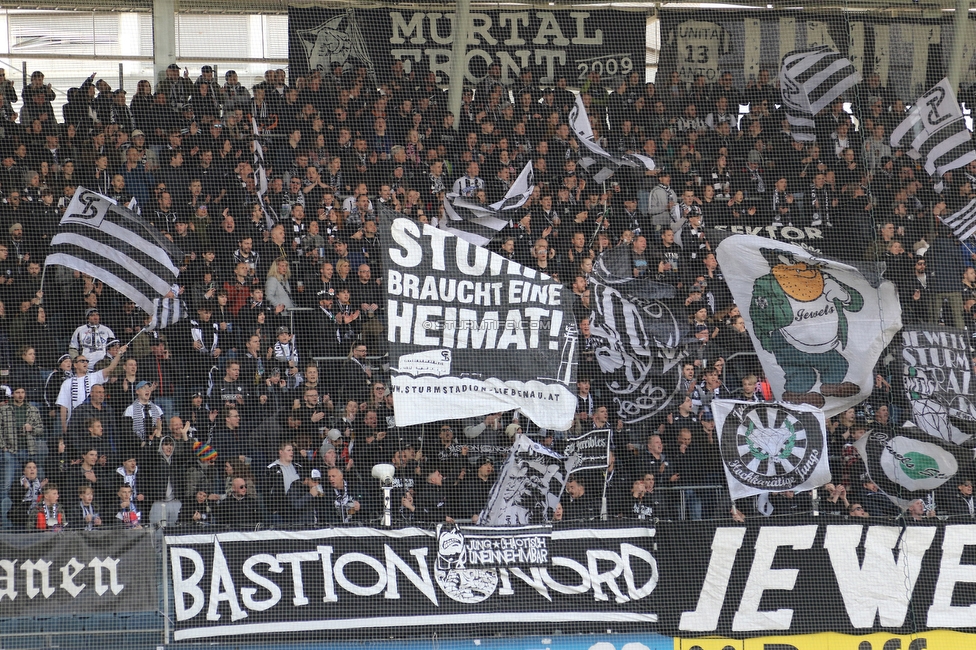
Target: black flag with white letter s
(471,332)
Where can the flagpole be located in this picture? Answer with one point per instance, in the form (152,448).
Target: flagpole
(598,222)
(142,331)
(43,273)
(603,499)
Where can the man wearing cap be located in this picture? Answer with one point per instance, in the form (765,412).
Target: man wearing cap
(145,418)
(148,157)
(111,351)
(961,503)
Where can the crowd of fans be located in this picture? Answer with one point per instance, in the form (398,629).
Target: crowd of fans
(226,418)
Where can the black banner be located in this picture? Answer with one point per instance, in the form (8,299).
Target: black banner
(78,572)
(816,576)
(590,450)
(938,383)
(907,52)
(377,583)
(471,332)
(569,43)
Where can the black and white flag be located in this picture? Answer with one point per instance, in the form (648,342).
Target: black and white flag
(261,176)
(115,245)
(590,450)
(935,131)
(528,487)
(477,224)
(905,465)
(637,340)
(168,311)
(810,80)
(771,447)
(597,161)
(963,222)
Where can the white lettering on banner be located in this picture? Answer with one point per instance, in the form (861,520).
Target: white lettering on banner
(248,593)
(37,577)
(606,571)
(879,585)
(550,33)
(187,586)
(764,577)
(952,571)
(725,544)
(548,30)
(510,285)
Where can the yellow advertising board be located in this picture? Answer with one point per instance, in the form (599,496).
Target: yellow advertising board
(931,640)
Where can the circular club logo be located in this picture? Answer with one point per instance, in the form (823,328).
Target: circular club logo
(769,447)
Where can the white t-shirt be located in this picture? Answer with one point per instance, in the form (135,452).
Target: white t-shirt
(74,391)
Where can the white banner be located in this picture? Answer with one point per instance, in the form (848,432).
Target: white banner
(771,447)
(818,326)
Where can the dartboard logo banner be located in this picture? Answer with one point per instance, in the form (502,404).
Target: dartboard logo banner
(771,447)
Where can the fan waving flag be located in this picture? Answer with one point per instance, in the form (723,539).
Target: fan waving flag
(528,488)
(477,224)
(261,176)
(935,130)
(963,221)
(810,81)
(906,465)
(598,162)
(167,312)
(107,241)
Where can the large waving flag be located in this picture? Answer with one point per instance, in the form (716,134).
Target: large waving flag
(935,130)
(963,221)
(597,161)
(906,465)
(107,241)
(818,326)
(638,341)
(810,80)
(477,224)
(261,176)
(528,487)
(168,311)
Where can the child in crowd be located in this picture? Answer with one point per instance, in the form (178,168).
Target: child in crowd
(89,511)
(127,516)
(48,515)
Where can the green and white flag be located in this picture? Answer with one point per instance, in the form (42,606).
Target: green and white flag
(817,325)
(905,465)
(771,447)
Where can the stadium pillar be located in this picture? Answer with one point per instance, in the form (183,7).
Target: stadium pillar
(462,19)
(164,36)
(959,33)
